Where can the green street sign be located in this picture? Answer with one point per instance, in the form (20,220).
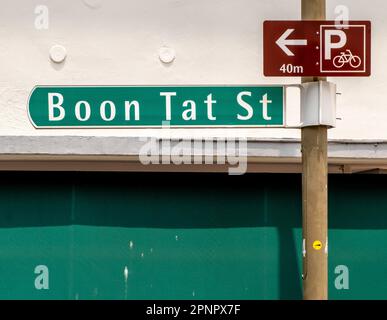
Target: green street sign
(155,106)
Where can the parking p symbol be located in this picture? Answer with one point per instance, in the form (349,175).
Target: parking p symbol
(329,44)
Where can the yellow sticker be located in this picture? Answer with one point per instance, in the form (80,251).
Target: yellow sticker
(317,245)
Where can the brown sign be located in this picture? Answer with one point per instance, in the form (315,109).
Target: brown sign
(317,48)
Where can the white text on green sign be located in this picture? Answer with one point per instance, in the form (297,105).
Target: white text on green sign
(151,106)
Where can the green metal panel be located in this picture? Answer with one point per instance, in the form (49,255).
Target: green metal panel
(182,236)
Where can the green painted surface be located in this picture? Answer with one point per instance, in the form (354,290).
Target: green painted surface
(182,236)
(188,106)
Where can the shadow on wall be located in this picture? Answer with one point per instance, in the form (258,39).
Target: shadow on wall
(170,200)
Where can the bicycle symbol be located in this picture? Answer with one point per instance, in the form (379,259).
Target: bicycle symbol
(346,57)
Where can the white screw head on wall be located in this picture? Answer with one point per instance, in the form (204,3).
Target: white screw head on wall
(58,53)
(166,54)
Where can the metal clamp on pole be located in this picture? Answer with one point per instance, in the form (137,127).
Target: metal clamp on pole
(318,104)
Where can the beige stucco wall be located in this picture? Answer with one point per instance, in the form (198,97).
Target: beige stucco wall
(116,42)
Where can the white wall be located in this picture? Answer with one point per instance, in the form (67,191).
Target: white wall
(116,42)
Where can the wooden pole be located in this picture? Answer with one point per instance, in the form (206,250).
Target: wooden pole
(314,190)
